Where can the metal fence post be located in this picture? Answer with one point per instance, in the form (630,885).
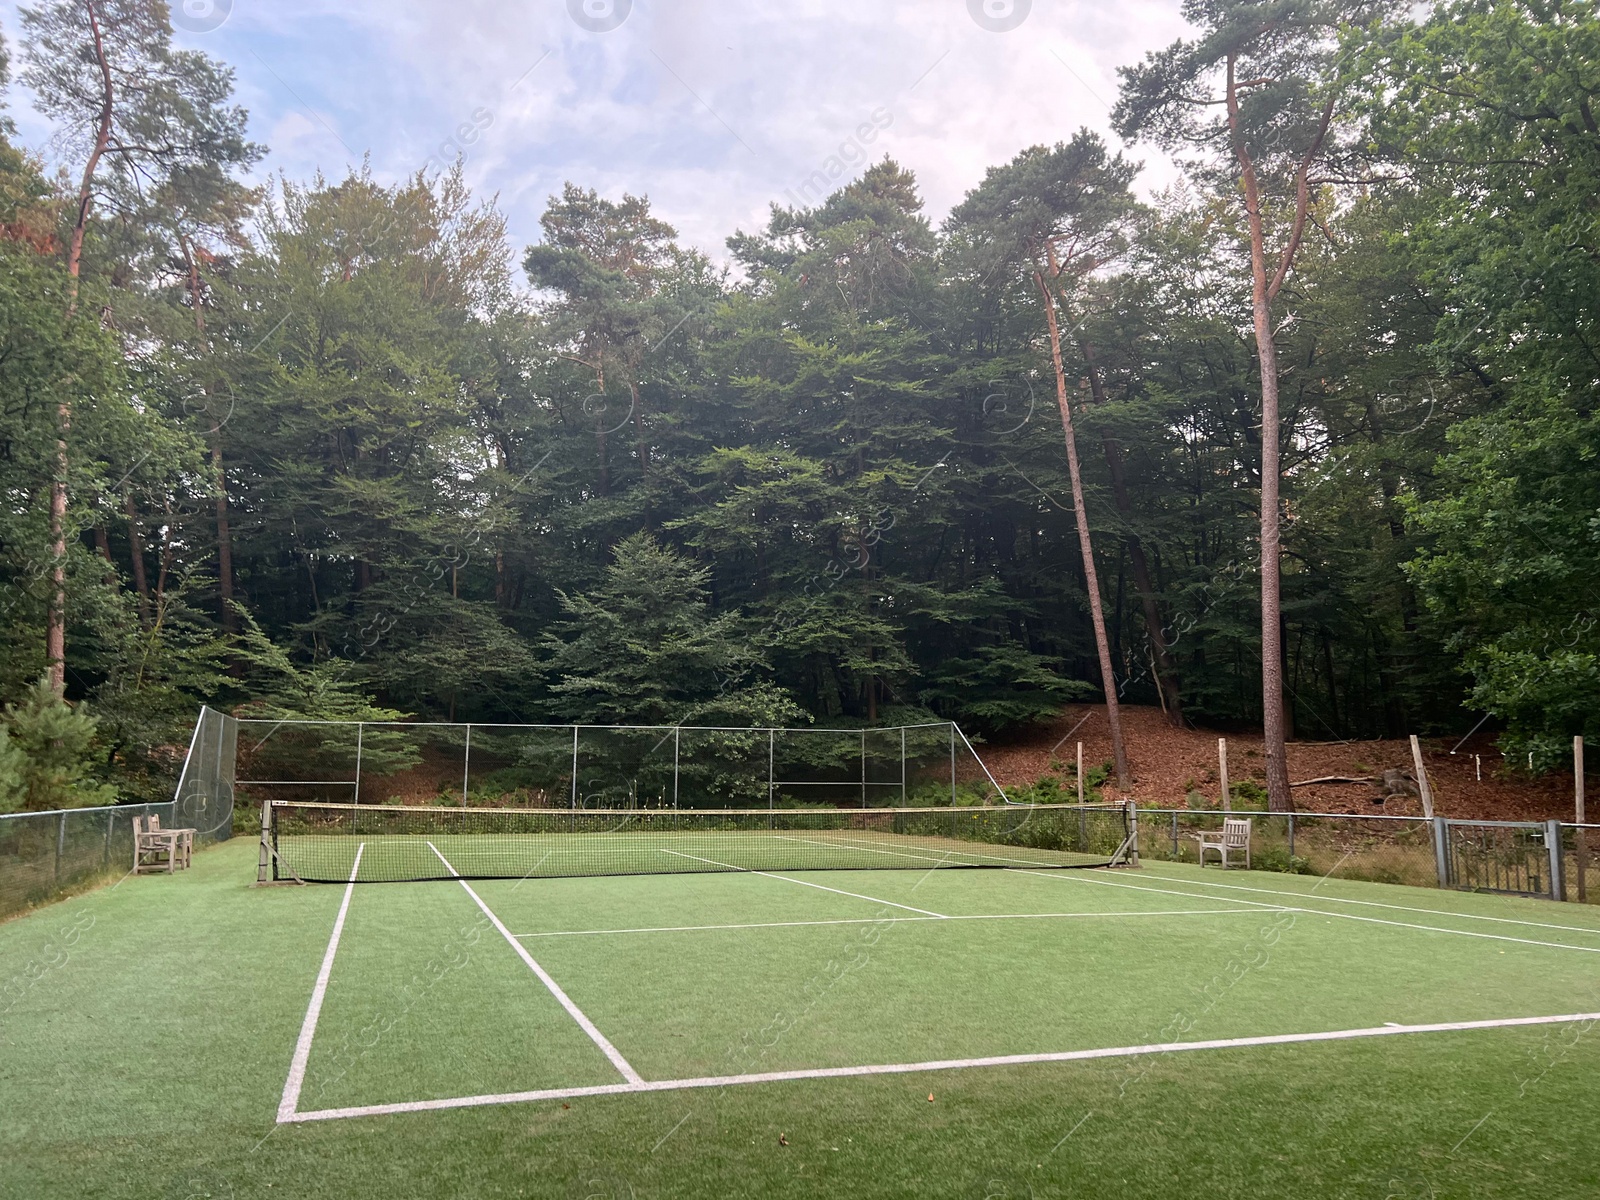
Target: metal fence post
(574,768)
(952,764)
(772,758)
(1558,860)
(677,731)
(61,843)
(466,766)
(902,766)
(1291,836)
(1441,853)
(361,730)
(863,768)
(1174,833)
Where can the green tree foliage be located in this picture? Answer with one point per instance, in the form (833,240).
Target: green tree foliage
(329,459)
(1490,110)
(644,648)
(50,747)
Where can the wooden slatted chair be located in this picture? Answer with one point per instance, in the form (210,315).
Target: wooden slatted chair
(1235,836)
(183,843)
(153,849)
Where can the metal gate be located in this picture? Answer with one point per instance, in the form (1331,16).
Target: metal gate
(1517,858)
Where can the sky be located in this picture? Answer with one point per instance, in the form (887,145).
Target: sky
(714,109)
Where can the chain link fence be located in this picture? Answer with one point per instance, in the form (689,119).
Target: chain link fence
(43,855)
(1505,857)
(1373,849)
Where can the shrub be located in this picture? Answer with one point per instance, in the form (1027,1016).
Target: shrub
(49,754)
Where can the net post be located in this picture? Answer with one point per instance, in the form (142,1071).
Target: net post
(574,768)
(264,872)
(466,765)
(361,729)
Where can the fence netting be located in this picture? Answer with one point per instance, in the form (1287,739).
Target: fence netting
(45,854)
(606,767)
(204,798)
(1371,849)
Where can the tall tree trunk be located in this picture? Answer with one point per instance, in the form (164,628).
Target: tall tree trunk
(102,545)
(1279,797)
(1166,667)
(1262,292)
(230,619)
(642,443)
(219,474)
(1108,679)
(55,637)
(141,581)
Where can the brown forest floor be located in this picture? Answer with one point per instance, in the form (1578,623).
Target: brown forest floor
(1168,762)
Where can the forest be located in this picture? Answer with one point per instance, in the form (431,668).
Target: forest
(1324,414)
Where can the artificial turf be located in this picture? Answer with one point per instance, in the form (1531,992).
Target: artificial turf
(148,1030)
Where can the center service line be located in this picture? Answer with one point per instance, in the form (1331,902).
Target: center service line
(588,1026)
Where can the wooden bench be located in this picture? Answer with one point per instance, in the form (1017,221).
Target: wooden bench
(158,849)
(1235,836)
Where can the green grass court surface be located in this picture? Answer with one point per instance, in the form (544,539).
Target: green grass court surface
(551,855)
(633,1036)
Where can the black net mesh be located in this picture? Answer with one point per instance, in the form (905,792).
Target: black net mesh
(388,843)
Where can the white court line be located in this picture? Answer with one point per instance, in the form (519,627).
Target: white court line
(942,858)
(949,1064)
(807,883)
(576,1013)
(1436,912)
(1321,912)
(1176,912)
(308,1027)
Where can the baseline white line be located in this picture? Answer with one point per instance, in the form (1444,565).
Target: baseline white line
(807,883)
(308,1027)
(576,1013)
(1176,912)
(1436,912)
(949,1064)
(1322,912)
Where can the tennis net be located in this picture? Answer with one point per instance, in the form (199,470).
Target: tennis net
(334,843)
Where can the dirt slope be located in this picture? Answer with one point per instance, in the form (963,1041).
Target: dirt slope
(1168,762)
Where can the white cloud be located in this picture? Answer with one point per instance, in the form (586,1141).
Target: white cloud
(714,108)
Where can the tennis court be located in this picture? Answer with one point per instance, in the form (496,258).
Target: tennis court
(454,993)
(781,1033)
